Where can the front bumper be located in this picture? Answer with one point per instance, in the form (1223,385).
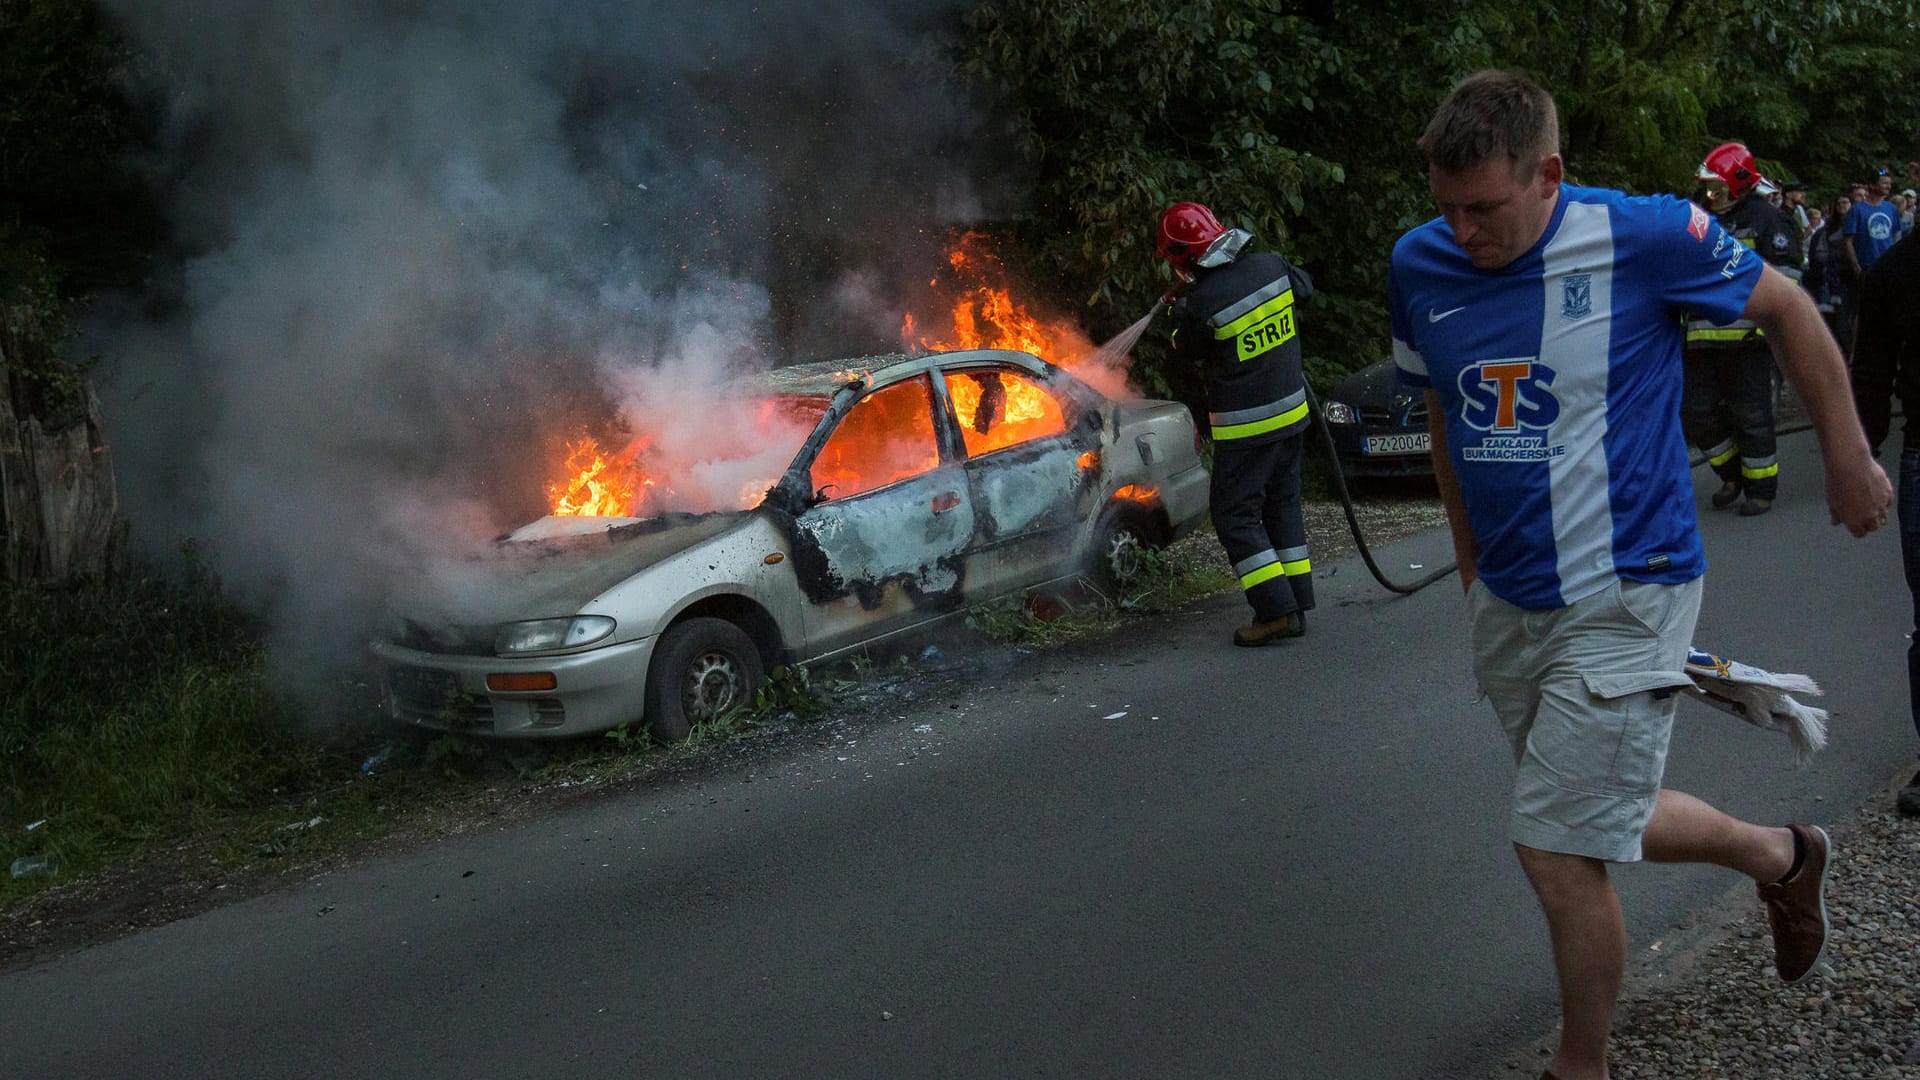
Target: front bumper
(595,691)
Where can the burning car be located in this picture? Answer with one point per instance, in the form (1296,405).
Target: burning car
(921,486)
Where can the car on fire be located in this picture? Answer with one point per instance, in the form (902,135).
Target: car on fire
(924,485)
(1378,424)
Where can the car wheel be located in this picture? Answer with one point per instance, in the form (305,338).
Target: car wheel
(701,670)
(1120,542)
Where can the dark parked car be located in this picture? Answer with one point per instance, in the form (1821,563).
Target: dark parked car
(1379,426)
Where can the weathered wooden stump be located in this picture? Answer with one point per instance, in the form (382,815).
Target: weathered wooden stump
(59,509)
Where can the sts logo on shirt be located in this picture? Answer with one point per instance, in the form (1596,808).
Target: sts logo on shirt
(1508,399)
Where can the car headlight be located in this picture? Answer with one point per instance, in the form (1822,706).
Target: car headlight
(546,635)
(1339,412)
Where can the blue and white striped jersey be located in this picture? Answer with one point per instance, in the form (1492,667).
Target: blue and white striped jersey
(1559,377)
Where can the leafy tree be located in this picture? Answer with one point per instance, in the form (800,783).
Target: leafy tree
(74,216)
(1297,120)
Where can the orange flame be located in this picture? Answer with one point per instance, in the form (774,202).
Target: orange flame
(599,485)
(984,315)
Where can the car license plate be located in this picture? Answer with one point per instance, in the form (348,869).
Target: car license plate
(422,686)
(1418,442)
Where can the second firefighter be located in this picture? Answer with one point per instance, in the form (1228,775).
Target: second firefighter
(1727,406)
(1236,321)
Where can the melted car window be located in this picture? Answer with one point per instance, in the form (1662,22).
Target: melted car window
(999,408)
(886,437)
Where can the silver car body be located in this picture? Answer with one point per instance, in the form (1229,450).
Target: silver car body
(806,579)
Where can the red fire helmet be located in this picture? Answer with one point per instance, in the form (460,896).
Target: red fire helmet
(1728,174)
(1185,231)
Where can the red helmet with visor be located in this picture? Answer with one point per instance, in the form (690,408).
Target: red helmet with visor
(1185,231)
(1729,174)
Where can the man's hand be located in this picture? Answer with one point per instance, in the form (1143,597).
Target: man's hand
(1858,495)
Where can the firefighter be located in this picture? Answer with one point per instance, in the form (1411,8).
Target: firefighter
(1236,322)
(1727,407)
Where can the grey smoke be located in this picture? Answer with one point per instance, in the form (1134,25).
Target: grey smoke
(421,241)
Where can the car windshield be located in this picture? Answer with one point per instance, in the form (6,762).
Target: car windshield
(723,455)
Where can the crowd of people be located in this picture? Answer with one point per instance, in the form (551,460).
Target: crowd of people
(1842,240)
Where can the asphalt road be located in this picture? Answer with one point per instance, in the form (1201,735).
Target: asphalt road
(1150,856)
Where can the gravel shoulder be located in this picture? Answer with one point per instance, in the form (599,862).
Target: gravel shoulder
(1712,1008)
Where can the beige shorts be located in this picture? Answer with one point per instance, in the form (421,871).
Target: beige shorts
(1586,695)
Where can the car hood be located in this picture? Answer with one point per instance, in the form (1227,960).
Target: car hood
(1375,384)
(552,567)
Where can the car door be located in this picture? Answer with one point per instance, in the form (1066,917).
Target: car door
(1026,444)
(886,541)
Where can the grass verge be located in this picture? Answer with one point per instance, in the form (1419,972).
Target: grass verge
(139,719)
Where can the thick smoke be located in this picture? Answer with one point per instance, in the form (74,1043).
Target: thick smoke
(422,241)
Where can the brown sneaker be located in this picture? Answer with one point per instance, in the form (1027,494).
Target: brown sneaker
(1266,633)
(1797,909)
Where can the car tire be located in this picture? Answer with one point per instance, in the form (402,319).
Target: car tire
(702,669)
(1123,534)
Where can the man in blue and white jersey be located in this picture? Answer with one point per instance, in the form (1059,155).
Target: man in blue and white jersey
(1544,322)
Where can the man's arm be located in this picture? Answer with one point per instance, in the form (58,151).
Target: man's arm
(1466,550)
(1858,493)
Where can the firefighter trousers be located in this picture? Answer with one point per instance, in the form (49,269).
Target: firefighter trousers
(1256,513)
(1727,411)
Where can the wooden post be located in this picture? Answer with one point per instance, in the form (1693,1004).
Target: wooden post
(59,508)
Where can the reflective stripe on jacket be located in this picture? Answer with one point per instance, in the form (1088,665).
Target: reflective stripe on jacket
(1238,323)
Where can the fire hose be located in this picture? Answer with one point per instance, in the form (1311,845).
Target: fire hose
(1353,521)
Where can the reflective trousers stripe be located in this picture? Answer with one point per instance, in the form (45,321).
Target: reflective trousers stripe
(1266,573)
(1261,427)
(1760,470)
(1721,454)
(1270,564)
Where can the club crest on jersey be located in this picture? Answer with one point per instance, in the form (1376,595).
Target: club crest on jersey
(1576,296)
(1503,397)
(1697,224)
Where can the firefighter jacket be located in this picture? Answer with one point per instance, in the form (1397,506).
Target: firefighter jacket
(1237,322)
(1759,225)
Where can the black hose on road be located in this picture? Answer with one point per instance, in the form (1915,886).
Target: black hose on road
(1353,522)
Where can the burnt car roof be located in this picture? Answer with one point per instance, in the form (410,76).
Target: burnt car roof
(827,377)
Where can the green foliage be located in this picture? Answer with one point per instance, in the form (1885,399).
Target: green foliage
(74,216)
(67,133)
(1298,122)
(790,690)
(1168,577)
(130,711)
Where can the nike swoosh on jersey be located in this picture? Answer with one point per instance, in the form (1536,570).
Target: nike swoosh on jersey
(1433,318)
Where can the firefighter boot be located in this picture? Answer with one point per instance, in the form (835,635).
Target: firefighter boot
(1755,507)
(1269,631)
(1728,494)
